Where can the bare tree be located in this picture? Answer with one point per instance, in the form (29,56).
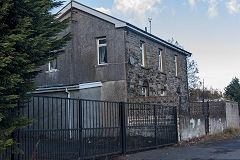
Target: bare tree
(193,78)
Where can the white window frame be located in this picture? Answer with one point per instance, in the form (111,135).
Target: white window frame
(52,69)
(160,60)
(176,65)
(98,46)
(142,52)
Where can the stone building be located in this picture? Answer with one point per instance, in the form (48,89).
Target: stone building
(110,59)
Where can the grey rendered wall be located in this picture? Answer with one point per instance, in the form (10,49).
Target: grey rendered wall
(217,117)
(79,62)
(114,91)
(156,79)
(232,116)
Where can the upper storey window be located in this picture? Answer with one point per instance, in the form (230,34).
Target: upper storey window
(176,65)
(160,61)
(52,65)
(143,53)
(102,50)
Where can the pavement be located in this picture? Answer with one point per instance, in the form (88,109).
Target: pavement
(227,150)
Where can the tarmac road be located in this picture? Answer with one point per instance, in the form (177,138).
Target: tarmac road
(227,150)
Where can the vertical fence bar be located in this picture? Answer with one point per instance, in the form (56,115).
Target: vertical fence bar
(80,129)
(52,115)
(57,111)
(48,106)
(38,118)
(13,136)
(155,123)
(43,112)
(123,127)
(18,132)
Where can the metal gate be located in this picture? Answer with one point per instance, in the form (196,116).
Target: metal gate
(67,128)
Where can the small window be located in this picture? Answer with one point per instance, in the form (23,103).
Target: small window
(160,60)
(142,53)
(176,65)
(53,65)
(102,50)
(162,93)
(144,91)
(145,88)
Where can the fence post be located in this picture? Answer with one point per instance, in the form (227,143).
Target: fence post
(155,123)
(14,138)
(123,127)
(175,112)
(80,129)
(207,118)
(16,134)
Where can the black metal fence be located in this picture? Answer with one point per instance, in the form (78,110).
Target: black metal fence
(66,128)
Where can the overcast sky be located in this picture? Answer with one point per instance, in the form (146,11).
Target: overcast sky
(210,29)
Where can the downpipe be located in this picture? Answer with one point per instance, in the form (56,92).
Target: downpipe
(69,114)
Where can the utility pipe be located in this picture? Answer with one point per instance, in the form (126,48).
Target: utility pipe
(69,114)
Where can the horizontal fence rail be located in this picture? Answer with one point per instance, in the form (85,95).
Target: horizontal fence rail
(68,129)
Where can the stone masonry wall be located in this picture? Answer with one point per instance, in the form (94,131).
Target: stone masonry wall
(138,75)
(163,100)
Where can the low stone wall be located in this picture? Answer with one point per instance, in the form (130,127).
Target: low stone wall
(208,118)
(164,100)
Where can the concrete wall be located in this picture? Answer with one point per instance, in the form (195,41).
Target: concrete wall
(232,115)
(212,117)
(217,125)
(217,117)
(192,124)
(196,128)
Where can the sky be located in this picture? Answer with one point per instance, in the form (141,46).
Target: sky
(209,29)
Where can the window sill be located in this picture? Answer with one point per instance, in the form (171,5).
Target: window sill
(178,77)
(162,72)
(101,65)
(146,68)
(52,71)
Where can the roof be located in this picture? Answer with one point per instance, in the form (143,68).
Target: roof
(118,24)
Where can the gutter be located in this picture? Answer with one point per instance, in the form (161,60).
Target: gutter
(69,88)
